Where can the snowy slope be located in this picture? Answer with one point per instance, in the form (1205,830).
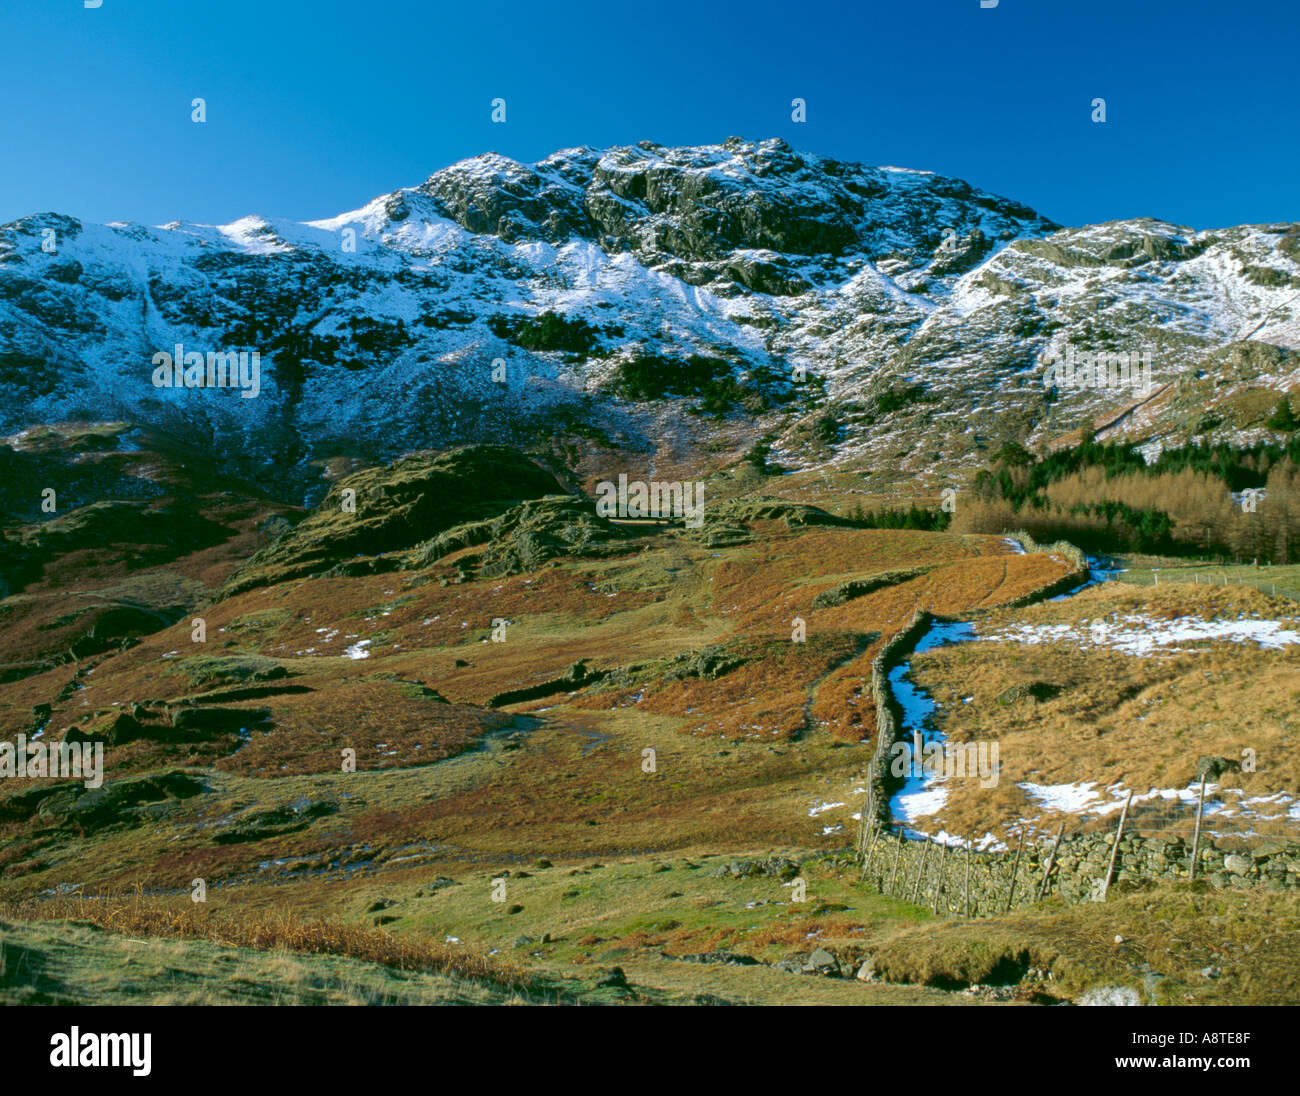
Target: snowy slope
(378,329)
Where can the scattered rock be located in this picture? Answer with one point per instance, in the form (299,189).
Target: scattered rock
(614,978)
(824,963)
(1035,690)
(728,958)
(1110,995)
(112,728)
(272,823)
(576,674)
(120,802)
(40,716)
(779,867)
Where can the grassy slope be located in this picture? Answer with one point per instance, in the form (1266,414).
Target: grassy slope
(458,791)
(1175,944)
(59,963)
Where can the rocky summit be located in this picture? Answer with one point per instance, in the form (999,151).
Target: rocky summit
(838,316)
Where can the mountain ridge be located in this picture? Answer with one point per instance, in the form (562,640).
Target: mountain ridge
(595,294)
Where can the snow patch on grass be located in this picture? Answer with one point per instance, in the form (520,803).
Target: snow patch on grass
(1138,634)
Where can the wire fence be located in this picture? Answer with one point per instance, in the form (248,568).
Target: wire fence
(1241,842)
(1200,577)
(1229,821)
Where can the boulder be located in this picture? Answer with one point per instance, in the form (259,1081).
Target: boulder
(822,962)
(115,728)
(1211,768)
(1237,864)
(203,721)
(117,803)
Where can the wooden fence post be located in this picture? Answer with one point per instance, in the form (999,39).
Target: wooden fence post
(868,812)
(943,859)
(969,844)
(1114,849)
(1196,837)
(1015,868)
(875,836)
(898,855)
(1051,863)
(925,853)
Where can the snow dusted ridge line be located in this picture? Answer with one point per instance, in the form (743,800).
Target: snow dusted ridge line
(384,323)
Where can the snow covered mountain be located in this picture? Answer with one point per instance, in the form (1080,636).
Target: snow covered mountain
(871,318)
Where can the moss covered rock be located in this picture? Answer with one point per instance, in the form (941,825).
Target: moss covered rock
(397,507)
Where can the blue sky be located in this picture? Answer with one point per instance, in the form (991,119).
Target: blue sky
(316,106)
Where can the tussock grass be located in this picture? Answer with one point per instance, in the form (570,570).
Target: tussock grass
(265,930)
(62,963)
(1113,717)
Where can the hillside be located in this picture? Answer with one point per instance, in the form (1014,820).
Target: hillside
(873,319)
(393,707)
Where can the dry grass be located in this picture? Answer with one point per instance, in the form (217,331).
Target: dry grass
(264,930)
(64,963)
(1139,720)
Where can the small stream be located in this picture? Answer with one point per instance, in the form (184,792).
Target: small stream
(924,794)
(921,794)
